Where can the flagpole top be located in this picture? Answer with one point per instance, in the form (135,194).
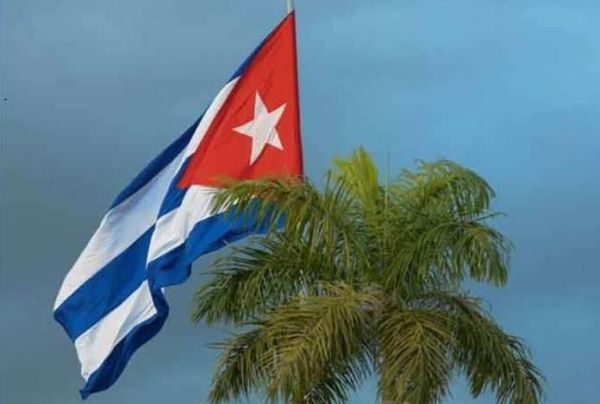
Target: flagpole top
(289,6)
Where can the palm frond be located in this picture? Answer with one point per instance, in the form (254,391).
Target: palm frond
(444,187)
(243,365)
(415,363)
(260,275)
(311,350)
(450,251)
(490,358)
(359,277)
(315,332)
(360,176)
(338,379)
(297,209)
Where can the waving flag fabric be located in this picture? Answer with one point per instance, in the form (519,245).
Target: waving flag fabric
(111,301)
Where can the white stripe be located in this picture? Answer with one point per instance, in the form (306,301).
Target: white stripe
(94,346)
(127,221)
(209,115)
(121,226)
(173,228)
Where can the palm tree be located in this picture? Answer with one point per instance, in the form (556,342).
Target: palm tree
(360,279)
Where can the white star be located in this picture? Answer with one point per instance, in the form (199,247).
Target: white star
(262,128)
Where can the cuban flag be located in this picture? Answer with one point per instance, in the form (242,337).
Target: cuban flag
(111,302)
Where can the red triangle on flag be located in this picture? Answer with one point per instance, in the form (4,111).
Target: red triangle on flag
(257,131)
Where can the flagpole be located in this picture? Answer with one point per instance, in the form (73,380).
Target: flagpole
(289,6)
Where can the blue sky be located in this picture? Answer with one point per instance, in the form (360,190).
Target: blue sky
(92,90)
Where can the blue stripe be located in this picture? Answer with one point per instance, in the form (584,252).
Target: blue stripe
(157,165)
(174,196)
(106,290)
(207,236)
(115,363)
(170,269)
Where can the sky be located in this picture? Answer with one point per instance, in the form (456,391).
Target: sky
(91,91)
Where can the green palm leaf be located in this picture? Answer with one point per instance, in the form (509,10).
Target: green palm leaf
(361,278)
